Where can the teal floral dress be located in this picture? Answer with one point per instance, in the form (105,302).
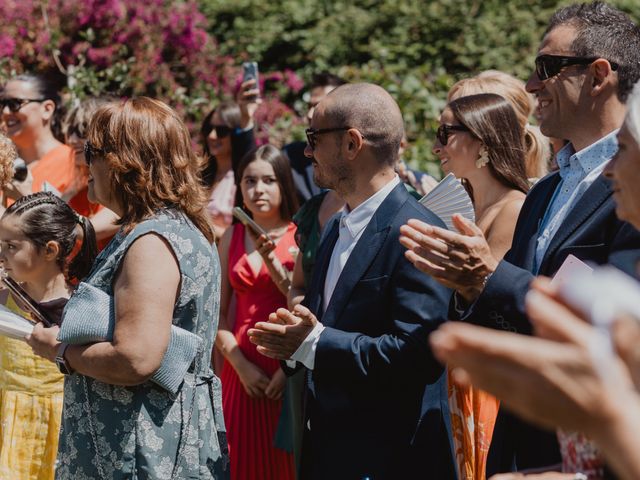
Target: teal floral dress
(146,432)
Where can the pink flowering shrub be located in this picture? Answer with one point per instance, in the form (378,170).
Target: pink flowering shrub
(159,48)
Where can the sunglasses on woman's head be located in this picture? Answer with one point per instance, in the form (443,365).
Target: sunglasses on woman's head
(15,104)
(444,130)
(90,152)
(548,66)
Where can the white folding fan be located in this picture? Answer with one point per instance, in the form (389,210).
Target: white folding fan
(449,197)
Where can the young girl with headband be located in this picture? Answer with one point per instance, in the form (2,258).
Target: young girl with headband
(45,247)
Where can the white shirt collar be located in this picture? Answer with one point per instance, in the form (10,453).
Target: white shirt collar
(358,218)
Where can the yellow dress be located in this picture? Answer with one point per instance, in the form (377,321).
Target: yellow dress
(30,409)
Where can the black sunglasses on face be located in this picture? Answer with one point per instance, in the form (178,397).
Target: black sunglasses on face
(442,134)
(90,151)
(15,104)
(221,130)
(548,66)
(312,133)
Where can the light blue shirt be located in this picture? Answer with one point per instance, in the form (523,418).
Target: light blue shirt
(578,170)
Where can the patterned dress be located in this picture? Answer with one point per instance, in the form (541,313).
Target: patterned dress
(473,418)
(145,432)
(30,408)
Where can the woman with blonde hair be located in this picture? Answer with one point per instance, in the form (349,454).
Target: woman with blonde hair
(141,400)
(538,149)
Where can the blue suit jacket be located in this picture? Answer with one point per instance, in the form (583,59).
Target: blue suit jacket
(592,232)
(375,398)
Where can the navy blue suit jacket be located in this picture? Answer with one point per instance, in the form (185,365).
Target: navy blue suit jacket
(592,232)
(375,398)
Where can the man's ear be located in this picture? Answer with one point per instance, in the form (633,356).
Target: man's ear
(51,250)
(355,142)
(603,77)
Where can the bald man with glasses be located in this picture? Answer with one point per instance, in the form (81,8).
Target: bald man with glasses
(375,400)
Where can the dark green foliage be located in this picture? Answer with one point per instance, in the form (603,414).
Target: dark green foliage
(415,49)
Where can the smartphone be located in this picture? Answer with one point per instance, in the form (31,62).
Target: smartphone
(250,72)
(247,221)
(26,301)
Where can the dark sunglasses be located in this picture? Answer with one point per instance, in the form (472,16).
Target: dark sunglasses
(221,130)
(442,134)
(548,66)
(312,133)
(90,151)
(15,104)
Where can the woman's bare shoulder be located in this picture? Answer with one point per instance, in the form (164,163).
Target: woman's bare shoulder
(510,206)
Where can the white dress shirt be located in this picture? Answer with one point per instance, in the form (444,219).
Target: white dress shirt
(352,225)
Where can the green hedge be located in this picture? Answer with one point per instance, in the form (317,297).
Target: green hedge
(415,49)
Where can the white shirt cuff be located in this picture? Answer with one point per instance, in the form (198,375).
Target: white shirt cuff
(306,352)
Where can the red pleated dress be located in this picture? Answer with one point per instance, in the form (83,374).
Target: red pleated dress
(251,423)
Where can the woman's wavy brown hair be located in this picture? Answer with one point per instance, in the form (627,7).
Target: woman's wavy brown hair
(151,162)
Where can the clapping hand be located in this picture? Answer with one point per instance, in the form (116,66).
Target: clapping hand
(461,261)
(283,334)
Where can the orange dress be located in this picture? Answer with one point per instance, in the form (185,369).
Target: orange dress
(56,169)
(251,423)
(473,417)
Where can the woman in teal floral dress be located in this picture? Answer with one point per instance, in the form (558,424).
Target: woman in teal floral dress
(140,398)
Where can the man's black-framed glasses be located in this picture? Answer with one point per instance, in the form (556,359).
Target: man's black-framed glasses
(442,134)
(312,133)
(15,104)
(90,152)
(548,66)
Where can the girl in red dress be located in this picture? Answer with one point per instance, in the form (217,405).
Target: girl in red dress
(257,270)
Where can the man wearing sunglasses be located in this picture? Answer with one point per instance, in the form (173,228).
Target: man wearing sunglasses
(586,65)
(375,395)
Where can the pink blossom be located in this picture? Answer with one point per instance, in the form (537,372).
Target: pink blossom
(294,82)
(101,57)
(7,46)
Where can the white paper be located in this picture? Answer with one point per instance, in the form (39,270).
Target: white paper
(13,325)
(572,267)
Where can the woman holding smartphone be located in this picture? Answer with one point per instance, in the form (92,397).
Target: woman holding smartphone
(227,135)
(257,268)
